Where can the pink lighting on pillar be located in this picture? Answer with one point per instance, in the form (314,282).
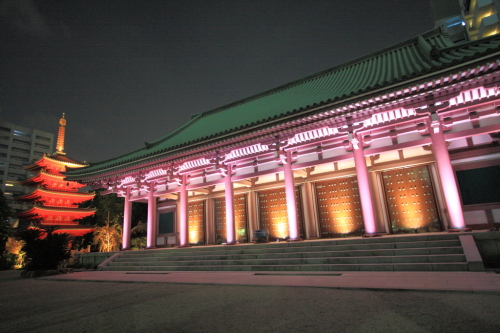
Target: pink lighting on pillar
(151,234)
(230,232)
(291,205)
(127,220)
(447,176)
(364,187)
(183,237)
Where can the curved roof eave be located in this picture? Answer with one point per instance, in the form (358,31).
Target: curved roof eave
(310,92)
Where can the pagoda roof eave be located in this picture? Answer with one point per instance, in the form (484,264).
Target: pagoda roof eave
(45,209)
(28,197)
(65,193)
(32,167)
(40,192)
(56,158)
(67,227)
(66,209)
(43,175)
(66,161)
(74,230)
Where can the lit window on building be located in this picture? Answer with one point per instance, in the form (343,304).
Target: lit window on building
(19,133)
(19,150)
(42,138)
(21,142)
(39,145)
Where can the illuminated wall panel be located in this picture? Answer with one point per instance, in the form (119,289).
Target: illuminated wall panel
(240,219)
(196,218)
(410,200)
(339,208)
(273,213)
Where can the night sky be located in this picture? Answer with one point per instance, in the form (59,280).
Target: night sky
(126,72)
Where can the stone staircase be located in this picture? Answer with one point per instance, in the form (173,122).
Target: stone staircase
(430,252)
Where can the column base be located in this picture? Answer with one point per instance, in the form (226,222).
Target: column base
(127,249)
(230,243)
(464,229)
(372,235)
(150,247)
(290,240)
(185,245)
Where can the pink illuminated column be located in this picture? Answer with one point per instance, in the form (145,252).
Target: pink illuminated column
(183,198)
(291,204)
(447,176)
(127,220)
(151,234)
(230,232)
(364,187)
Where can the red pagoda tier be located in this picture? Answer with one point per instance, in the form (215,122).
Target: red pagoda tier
(55,200)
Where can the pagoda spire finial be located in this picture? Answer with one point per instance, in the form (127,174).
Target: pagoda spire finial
(60,136)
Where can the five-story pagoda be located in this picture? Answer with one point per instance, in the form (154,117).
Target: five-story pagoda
(55,200)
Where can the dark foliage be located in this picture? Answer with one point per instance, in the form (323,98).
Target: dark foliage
(7,260)
(114,206)
(82,242)
(44,252)
(6,230)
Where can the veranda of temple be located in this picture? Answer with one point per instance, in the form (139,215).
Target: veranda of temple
(403,140)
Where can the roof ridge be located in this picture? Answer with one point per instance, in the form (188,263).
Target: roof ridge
(415,57)
(113,158)
(315,76)
(427,34)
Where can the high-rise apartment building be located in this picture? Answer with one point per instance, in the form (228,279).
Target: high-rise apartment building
(481,18)
(466,20)
(20,146)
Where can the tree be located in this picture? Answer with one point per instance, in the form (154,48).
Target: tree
(82,242)
(113,206)
(44,249)
(5,228)
(108,237)
(106,205)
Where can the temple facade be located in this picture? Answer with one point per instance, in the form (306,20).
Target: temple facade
(403,140)
(55,200)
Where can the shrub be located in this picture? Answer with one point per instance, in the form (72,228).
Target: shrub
(7,260)
(44,249)
(138,243)
(108,237)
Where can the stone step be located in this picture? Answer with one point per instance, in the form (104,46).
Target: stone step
(438,252)
(357,253)
(354,241)
(308,261)
(353,247)
(334,267)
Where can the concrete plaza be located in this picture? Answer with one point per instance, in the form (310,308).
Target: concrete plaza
(95,301)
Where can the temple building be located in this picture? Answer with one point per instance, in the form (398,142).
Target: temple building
(55,200)
(402,140)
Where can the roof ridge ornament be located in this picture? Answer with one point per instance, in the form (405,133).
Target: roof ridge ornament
(60,136)
(430,51)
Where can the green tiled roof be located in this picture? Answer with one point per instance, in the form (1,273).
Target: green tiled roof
(411,59)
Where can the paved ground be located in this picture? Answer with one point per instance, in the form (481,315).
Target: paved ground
(48,305)
(458,281)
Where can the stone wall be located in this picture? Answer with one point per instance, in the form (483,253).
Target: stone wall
(488,244)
